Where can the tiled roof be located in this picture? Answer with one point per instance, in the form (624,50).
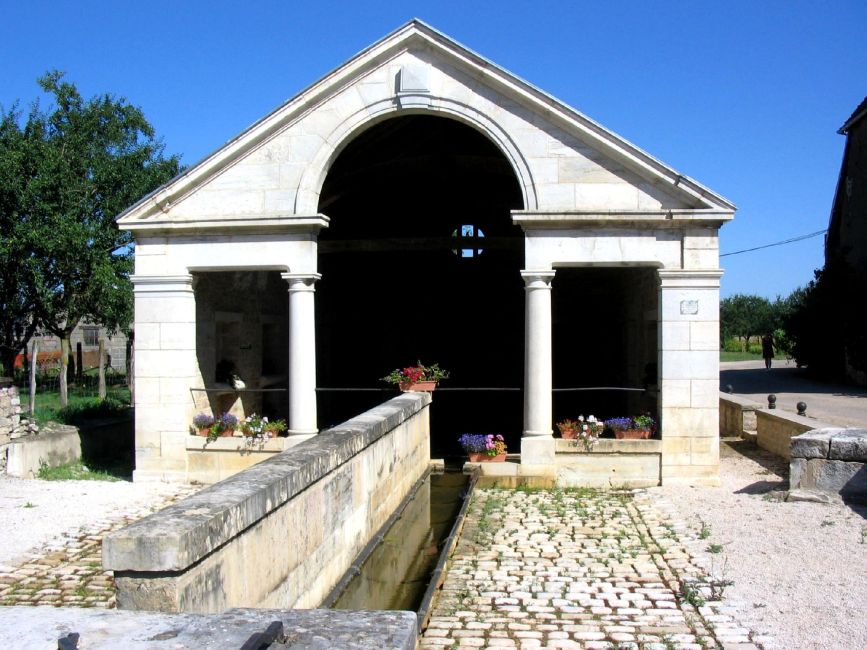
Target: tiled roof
(859,113)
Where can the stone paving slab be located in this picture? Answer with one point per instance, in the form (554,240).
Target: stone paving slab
(68,571)
(579,569)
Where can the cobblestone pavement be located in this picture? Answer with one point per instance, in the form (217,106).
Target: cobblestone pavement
(580,569)
(68,572)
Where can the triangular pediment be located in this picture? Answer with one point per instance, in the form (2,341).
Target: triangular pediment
(270,175)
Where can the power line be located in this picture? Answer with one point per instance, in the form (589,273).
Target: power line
(779,243)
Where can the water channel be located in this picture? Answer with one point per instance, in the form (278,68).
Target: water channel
(395,575)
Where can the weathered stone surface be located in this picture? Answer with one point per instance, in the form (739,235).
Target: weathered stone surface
(849,444)
(812,444)
(811,496)
(40,627)
(57,446)
(844,478)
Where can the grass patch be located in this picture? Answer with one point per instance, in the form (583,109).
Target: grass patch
(83,404)
(74,471)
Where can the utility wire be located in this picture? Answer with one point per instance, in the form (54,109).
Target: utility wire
(779,243)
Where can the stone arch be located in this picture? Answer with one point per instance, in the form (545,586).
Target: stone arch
(310,186)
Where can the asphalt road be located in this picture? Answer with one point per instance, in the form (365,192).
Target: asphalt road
(835,404)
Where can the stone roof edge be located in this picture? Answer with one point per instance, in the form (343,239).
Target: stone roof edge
(161,198)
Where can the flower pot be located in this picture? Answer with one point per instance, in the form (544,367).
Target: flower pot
(569,434)
(482,457)
(632,434)
(203,432)
(419,386)
(227,433)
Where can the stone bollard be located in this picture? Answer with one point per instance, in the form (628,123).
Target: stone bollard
(772,401)
(802,408)
(729,389)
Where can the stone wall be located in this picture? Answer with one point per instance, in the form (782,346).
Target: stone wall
(777,428)
(282,533)
(12,425)
(831,461)
(737,415)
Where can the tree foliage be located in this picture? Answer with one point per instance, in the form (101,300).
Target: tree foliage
(66,173)
(825,321)
(745,316)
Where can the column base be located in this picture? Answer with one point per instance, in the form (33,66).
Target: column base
(297,436)
(538,456)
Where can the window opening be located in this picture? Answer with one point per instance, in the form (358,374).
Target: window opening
(468,234)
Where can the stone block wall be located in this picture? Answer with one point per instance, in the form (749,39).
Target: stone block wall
(737,415)
(830,460)
(777,428)
(12,425)
(282,533)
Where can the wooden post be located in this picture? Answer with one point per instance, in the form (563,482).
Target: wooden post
(79,362)
(101,368)
(34,356)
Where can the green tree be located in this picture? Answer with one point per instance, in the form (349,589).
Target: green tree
(87,160)
(17,290)
(745,316)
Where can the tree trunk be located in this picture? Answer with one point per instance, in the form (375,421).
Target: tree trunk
(34,356)
(101,368)
(79,363)
(64,367)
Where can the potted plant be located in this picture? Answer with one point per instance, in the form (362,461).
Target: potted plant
(417,378)
(484,448)
(256,426)
(224,427)
(584,430)
(202,423)
(628,428)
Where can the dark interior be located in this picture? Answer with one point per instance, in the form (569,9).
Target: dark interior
(421,262)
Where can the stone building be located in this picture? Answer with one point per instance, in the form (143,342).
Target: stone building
(443,210)
(846,242)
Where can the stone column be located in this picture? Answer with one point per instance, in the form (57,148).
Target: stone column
(537,445)
(302,354)
(689,375)
(166,368)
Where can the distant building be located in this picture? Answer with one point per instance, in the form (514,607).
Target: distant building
(88,335)
(846,242)
(847,230)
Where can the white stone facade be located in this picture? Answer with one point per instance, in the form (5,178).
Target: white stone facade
(590,198)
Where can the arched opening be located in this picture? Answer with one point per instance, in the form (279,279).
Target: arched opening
(422,262)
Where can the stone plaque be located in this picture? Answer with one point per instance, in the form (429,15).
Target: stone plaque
(689,307)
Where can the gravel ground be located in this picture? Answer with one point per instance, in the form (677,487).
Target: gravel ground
(799,570)
(34,514)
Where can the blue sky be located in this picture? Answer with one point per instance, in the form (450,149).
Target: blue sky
(745,97)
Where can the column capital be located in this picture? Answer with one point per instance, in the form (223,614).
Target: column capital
(540,279)
(682,279)
(143,284)
(301,281)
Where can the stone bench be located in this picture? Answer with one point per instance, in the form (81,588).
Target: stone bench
(831,461)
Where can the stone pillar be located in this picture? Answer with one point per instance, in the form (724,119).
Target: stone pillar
(166,367)
(689,375)
(537,445)
(302,354)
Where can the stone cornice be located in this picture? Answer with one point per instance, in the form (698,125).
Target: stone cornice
(288,223)
(576,219)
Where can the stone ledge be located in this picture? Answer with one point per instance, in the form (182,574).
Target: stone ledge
(238,444)
(610,446)
(833,443)
(41,627)
(173,539)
